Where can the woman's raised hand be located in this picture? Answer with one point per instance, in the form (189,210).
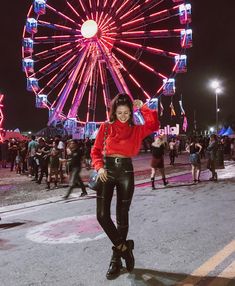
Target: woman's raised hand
(103,176)
(137,103)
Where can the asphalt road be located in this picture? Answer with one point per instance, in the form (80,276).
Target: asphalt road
(184,235)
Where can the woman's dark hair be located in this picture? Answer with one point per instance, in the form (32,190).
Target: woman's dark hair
(193,139)
(213,136)
(119,100)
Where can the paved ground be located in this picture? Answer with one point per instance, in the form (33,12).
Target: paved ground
(184,234)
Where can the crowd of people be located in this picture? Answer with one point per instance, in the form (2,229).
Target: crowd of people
(212,148)
(52,158)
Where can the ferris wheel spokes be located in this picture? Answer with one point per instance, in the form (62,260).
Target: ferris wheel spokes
(63,15)
(113,69)
(140,63)
(141,8)
(74,11)
(83,83)
(133,79)
(134,35)
(151,19)
(92,96)
(85,9)
(58,27)
(69,85)
(55,81)
(57,50)
(53,66)
(105,86)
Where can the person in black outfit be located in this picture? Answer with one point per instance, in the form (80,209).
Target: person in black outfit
(211,153)
(43,157)
(12,148)
(87,153)
(75,165)
(172,151)
(157,148)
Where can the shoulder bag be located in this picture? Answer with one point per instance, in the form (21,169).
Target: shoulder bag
(93,182)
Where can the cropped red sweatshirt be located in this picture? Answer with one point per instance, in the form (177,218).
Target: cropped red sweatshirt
(122,138)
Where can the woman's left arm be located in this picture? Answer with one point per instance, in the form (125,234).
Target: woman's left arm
(200,147)
(151,121)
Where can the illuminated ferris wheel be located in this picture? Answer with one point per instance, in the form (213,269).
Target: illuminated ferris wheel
(77,54)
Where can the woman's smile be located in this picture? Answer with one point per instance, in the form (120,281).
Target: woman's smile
(123,113)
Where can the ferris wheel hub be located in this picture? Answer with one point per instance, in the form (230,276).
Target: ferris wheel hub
(89,29)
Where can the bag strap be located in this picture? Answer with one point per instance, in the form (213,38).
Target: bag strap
(105,137)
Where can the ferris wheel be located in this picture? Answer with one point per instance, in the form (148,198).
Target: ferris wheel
(77,54)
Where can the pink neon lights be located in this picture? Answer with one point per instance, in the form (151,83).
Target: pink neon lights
(74,10)
(62,15)
(1,117)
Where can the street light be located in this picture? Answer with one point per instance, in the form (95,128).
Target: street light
(216,87)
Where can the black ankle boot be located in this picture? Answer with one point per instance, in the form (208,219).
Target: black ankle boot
(165,182)
(48,186)
(127,254)
(115,266)
(215,177)
(153,186)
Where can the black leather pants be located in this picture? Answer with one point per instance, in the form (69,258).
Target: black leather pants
(120,175)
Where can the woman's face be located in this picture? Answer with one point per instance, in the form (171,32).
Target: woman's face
(123,113)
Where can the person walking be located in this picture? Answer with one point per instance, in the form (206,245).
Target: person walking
(157,163)
(194,149)
(123,141)
(76,166)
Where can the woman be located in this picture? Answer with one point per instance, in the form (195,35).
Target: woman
(116,170)
(172,151)
(194,150)
(158,147)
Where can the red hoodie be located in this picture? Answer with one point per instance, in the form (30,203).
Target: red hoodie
(122,138)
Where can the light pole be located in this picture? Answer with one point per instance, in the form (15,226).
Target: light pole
(216,86)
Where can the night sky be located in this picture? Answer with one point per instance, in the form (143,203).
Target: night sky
(212,56)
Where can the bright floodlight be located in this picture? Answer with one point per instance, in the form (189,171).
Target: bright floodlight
(218,90)
(214,84)
(89,29)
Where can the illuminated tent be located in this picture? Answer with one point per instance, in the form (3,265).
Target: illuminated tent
(221,132)
(50,132)
(228,132)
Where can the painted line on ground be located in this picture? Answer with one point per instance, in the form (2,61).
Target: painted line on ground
(228,272)
(202,271)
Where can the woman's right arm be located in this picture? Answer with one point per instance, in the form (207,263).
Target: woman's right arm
(97,154)
(97,149)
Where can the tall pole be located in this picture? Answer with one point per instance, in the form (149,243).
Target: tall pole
(217,113)
(216,86)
